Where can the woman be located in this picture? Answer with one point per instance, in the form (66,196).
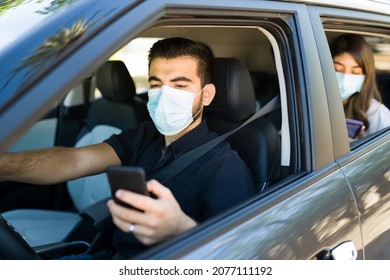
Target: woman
(355,69)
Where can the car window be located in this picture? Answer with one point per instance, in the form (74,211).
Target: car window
(259,49)
(262,50)
(378,40)
(134,55)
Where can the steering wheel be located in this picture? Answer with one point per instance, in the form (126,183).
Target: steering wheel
(12,244)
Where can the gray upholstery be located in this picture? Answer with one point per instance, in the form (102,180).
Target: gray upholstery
(118,109)
(258,143)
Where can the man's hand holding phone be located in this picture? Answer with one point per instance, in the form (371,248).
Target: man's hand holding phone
(156,219)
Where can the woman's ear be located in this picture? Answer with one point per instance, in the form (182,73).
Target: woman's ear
(208,94)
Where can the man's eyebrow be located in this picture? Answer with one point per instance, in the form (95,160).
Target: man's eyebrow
(177,79)
(181,79)
(154,78)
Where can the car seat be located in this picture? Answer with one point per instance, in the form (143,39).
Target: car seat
(266,87)
(257,143)
(118,109)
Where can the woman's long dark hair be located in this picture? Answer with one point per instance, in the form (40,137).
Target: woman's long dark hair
(359,49)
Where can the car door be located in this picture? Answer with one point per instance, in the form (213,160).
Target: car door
(311,210)
(59,127)
(367,164)
(40,135)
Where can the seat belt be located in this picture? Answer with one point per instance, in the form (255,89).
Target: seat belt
(176,166)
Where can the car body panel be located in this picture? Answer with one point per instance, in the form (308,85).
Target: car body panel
(363,5)
(303,221)
(368,172)
(367,165)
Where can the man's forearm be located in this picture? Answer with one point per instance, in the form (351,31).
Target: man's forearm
(43,166)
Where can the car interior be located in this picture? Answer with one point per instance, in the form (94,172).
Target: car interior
(247,76)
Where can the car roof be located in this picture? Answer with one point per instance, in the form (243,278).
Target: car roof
(377,6)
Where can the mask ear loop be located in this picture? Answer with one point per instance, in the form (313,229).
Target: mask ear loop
(201,108)
(194,116)
(200,91)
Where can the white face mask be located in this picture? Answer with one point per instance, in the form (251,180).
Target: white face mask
(171,109)
(349,84)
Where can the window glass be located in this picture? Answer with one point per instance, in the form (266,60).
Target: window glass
(135,56)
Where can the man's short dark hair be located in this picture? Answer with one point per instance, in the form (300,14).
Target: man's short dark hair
(177,47)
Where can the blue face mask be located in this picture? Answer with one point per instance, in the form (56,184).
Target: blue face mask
(349,84)
(171,109)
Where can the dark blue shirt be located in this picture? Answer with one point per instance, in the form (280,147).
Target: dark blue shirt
(214,182)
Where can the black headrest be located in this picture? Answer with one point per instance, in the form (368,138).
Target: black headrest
(235,97)
(114,82)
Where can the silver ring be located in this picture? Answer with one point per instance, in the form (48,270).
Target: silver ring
(131,228)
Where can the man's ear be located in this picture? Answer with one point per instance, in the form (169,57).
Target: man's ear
(208,94)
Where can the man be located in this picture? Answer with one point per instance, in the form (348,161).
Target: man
(180,73)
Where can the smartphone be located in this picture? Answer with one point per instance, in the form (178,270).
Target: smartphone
(353,127)
(130,178)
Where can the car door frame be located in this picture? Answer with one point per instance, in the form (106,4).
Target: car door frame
(215,238)
(368,182)
(264,216)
